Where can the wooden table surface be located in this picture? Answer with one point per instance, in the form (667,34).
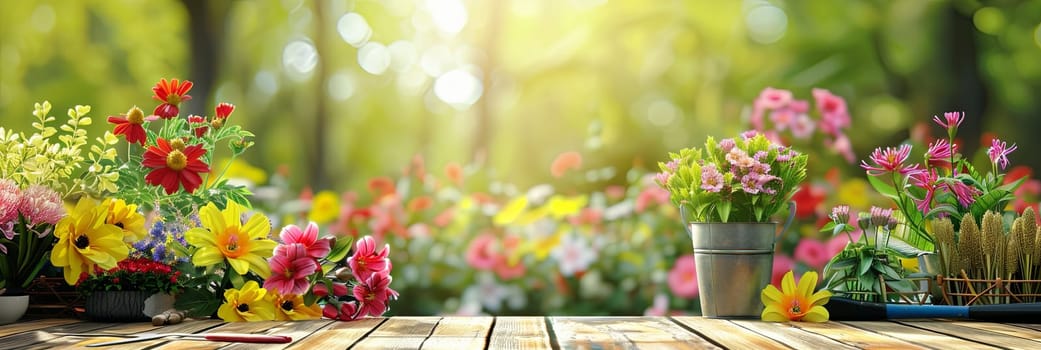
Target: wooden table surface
(460,333)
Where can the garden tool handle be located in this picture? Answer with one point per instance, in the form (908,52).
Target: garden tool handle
(248,338)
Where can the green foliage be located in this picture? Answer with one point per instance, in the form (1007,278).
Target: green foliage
(61,164)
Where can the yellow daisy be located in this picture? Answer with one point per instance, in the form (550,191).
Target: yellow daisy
(291,308)
(224,237)
(795,303)
(251,303)
(126,217)
(325,207)
(85,241)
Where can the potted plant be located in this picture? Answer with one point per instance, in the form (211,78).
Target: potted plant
(38,172)
(135,290)
(732,188)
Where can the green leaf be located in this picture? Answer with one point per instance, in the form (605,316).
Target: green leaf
(828,227)
(199,302)
(882,187)
(865,264)
(902,249)
(341,247)
(889,272)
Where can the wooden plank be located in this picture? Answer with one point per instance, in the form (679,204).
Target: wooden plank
(975,334)
(338,335)
(454,343)
(27,339)
(294,329)
(230,327)
(792,336)
(20,327)
(460,333)
(135,328)
(1003,329)
(728,334)
(624,333)
(463,327)
(390,343)
(519,333)
(854,336)
(917,335)
(406,327)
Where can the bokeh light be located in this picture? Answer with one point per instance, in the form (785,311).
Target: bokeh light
(458,88)
(354,29)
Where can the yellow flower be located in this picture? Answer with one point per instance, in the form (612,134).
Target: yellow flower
(511,211)
(795,303)
(852,192)
(291,308)
(126,217)
(224,237)
(240,169)
(325,207)
(251,303)
(561,207)
(85,241)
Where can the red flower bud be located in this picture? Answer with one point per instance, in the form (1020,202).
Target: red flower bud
(320,290)
(330,311)
(339,289)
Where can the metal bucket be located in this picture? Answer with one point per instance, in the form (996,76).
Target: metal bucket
(734,262)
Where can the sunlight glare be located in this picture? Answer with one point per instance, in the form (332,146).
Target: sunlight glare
(449,15)
(766,23)
(458,88)
(300,58)
(340,86)
(374,58)
(354,29)
(402,55)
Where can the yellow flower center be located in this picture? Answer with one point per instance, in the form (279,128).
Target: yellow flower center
(217,123)
(177,144)
(82,242)
(797,307)
(135,116)
(176,160)
(173,99)
(233,243)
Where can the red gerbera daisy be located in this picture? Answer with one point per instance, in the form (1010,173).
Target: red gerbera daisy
(223,110)
(199,123)
(171,94)
(175,165)
(130,125)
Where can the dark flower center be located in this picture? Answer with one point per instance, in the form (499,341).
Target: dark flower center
(287,305)
(243,307)
(82,242)
(119,224)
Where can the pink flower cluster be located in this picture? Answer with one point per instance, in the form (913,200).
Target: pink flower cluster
(371,270)
(296,270)
(37,205)
(786,113)
(752,171)
(296,259)
(940,154)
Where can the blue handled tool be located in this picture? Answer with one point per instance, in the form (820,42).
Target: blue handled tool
(842,309)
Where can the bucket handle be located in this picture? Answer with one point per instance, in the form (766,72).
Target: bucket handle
(784,230)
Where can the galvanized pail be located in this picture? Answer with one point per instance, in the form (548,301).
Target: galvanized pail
(734,262)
